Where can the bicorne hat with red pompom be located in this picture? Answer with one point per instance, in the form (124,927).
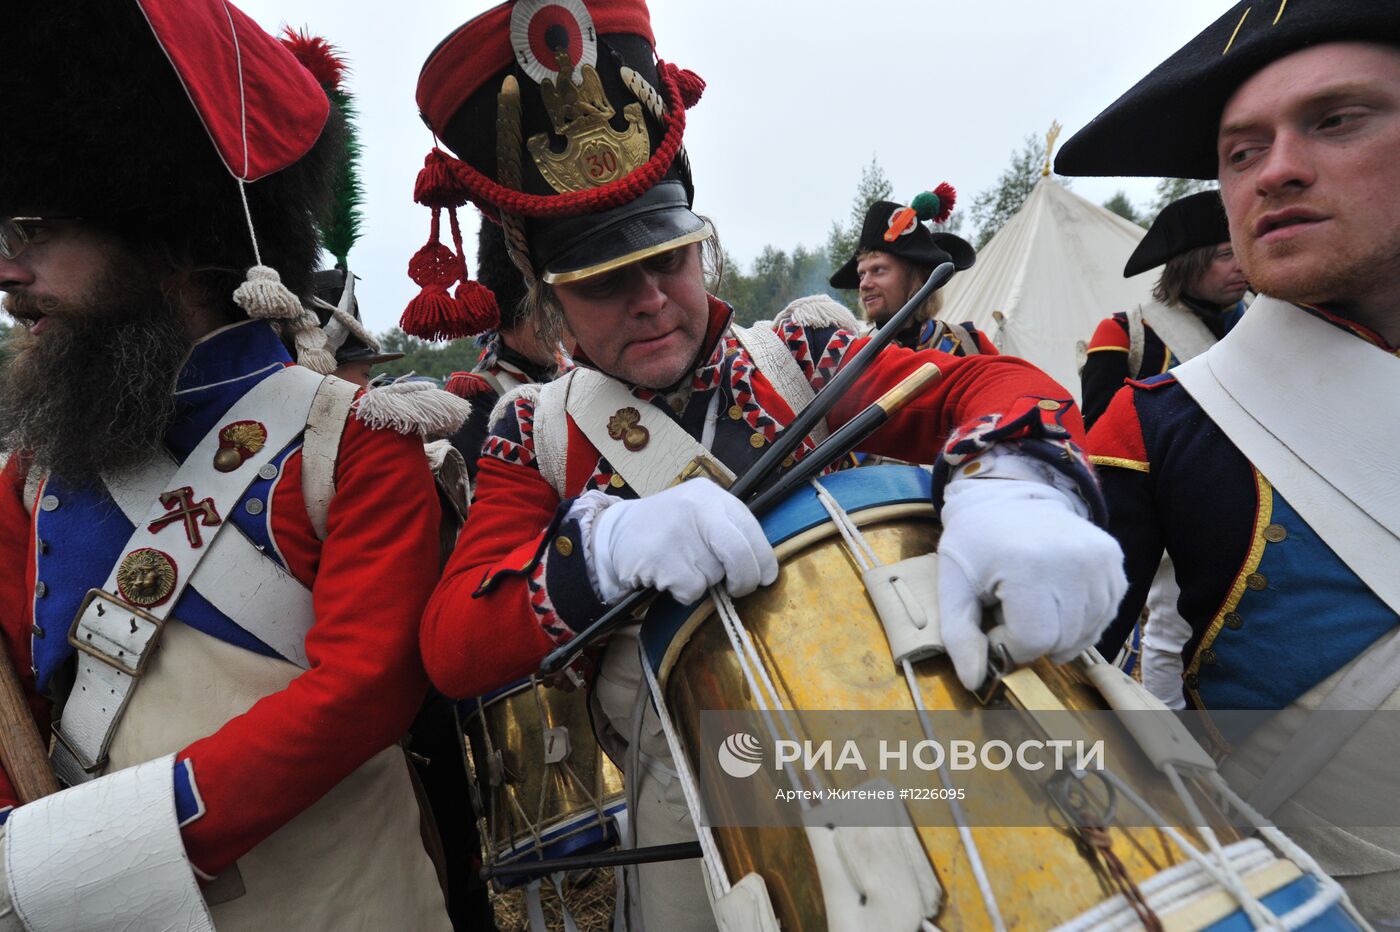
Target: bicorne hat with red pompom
(900,231)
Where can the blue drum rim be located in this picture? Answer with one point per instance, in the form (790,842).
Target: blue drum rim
(855,489)
(1282,900)
(597,838)
(468,707)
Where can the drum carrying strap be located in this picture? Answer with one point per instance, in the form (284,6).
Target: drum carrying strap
(1185,334)
(1137,341)
(115,638)
(771,357)
(504,379)
(1347,492)
(594,399)
(591,399)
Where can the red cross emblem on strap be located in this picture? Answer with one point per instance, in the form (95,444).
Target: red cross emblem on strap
(182,508)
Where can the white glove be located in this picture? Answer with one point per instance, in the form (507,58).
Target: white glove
(1023,542)
(682,541)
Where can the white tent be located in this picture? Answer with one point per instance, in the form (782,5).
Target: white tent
(1048,277)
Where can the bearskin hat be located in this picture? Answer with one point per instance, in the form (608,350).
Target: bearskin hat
(99,125)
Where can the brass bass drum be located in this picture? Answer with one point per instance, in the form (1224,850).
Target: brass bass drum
(816,637)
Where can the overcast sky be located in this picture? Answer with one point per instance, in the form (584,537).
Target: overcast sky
(799,98)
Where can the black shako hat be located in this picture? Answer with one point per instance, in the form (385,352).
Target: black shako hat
(1167,124)
(496,271)
(567,129)
(339,312)
(1184,225)
(894,228)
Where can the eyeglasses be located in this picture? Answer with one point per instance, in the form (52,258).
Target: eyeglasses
(16,233)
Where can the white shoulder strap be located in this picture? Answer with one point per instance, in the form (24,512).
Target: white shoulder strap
(598,404)
(1185,334)
(771,357)
(964,337)
(1137,341)
(325,425)
(160,562)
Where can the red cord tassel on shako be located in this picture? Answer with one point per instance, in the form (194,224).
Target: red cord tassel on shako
(434,314)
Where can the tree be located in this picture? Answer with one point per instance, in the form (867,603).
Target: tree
(1174,189)
(842,239)
(423,358)
(1124,208)
(999,203)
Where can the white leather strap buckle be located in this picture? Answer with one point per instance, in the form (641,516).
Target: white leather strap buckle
(66,758)
(116,633)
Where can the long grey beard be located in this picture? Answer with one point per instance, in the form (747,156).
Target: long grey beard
(93,394)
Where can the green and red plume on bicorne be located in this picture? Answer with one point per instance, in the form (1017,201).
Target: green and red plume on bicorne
(341,227)
(935,205)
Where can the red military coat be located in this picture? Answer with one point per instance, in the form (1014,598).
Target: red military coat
(517,584)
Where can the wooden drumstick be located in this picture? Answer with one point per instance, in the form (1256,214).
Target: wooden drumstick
(847,437)
(22,750)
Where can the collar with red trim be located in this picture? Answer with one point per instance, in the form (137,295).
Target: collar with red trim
(1360,330)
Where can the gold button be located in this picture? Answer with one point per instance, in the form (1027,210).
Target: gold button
(756,440)
(617,481)
(735,412)
(678,404)
(1046,404)
(1233,620)
(788,461)
(563,545)
(1192,681)
(1208,656)
(1256,581)
(1275,533)
(972,469)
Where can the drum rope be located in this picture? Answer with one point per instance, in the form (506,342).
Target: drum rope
(974,855)
(754,671)
(1260,916)
(563,764)
(710,857)
(544,784)
(1329,891)
(865,557)
(495,768)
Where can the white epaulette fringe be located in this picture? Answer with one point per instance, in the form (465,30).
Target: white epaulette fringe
(412,408)
(818,310)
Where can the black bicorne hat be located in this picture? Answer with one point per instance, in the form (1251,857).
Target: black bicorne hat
(1167,124)
(897,230)
(1190,223)
(568,130)
(339,312)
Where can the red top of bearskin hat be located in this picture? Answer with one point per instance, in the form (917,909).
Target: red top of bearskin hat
(262,109)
